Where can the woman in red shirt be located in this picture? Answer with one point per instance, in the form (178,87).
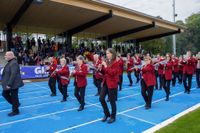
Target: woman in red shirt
(80,81)
(110,83)
(167,75)
(63,75)
(148,81)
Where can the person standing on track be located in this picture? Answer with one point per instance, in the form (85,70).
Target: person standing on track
(52,75)
(80,73)
(148,81)
(11,82)
(110,70)
(167,75)
(63,75)
(189,65)
(129,65)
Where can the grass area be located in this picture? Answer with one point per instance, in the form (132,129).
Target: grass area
(189,123)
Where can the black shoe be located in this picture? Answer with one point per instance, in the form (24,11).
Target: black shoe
(13,113)
(67,95)
(167,98)
(147,107)
(97,94)
(80,108)
(185,91)
(130,85)
(64,100)
(52,95)
(188,92)
(104,118)
(111,120)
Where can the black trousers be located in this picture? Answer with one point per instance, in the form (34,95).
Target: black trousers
(112,93)
(187,86)
(129,77)
(63,90)
(98,85)
(120,82)
(180,77)
(156,74)
(147,93)
(175,76)
(161,80)
(52,85)
(198,77)
(79,93)
(137,75)
(167,87)
(94,80)
(11,97)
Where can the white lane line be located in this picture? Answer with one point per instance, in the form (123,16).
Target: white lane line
(23,99)
(128,110)
(36,105)
(149,122)
(58,112)
(152,123)
(172,119)
(40,116)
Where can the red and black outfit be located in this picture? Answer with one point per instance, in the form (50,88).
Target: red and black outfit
(121,69)
(80,83)
(98,76)
(110,83)
(130,66)
(148,82)
(188,71)
(52,77)
(175,71)
(63,75)
(167,78)
(137,71)
(180,72)
(160,74)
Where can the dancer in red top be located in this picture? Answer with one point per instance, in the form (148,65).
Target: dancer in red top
(147,82)
(167,75)
(63,75)
(97,75)
(130,64)
(121,69)
(52,75)
(189,65)
(80,81)
(137,69)
(110,82)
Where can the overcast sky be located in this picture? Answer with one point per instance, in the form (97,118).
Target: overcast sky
(163,8)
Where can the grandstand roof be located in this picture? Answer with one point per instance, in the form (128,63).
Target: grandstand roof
(105,19)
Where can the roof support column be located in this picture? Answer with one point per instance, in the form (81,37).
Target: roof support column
(9,37)
(69,42)
(109,42)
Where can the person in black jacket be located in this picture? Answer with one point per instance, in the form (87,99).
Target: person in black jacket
(11,81)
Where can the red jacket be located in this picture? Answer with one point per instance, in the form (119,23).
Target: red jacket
(168,70)
(121,66)
(189,66)
(98,75)
(175,65)
(148,75)
(130,65)
(138,63)
(64,75)
(52,68)
(160,67)
(111,76)
(80,75)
